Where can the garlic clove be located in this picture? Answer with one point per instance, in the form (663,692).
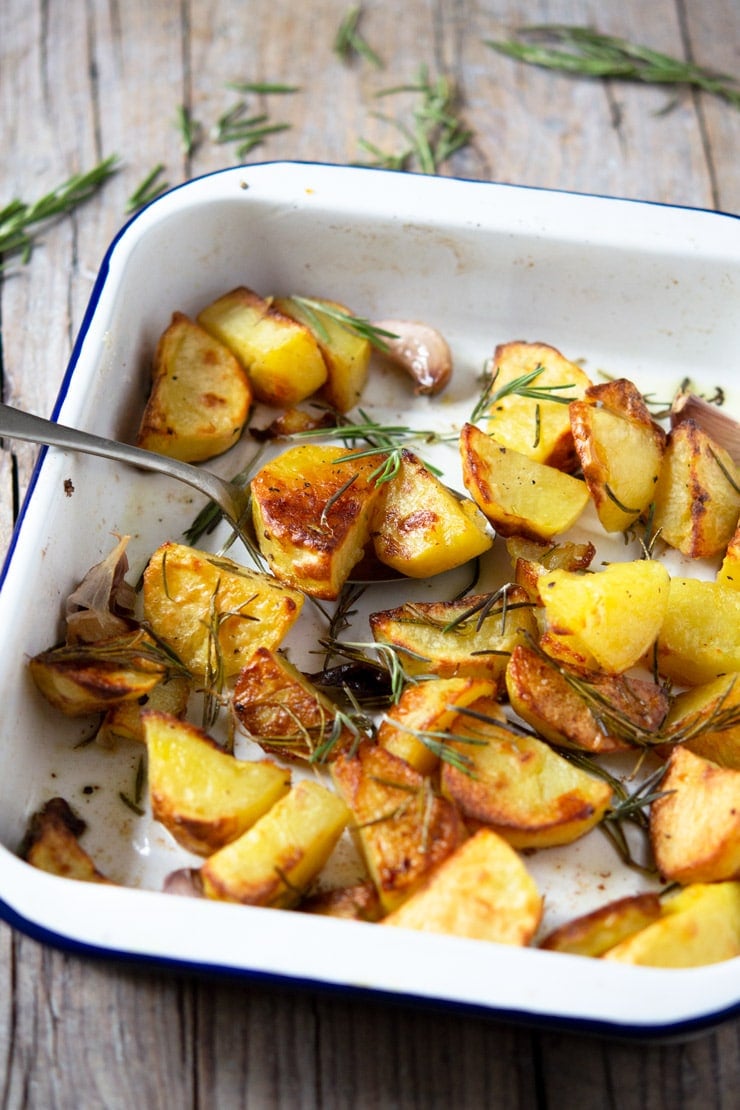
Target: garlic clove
(421,351)
(718,424)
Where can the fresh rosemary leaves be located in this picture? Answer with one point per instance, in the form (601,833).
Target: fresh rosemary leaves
(349,41)
(436,131)
(20,221)
(583,52)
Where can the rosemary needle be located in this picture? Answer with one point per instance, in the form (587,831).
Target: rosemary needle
(19,220)
(147,190)
(584,52)
(349,40)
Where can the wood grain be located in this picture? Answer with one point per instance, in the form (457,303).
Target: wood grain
(79,81)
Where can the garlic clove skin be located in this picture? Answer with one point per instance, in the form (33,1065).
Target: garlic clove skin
(421,351)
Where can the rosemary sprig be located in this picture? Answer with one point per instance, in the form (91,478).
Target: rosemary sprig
(147,190)
(350,42)
(189,128)
(520,387)
(19,220)
(236,126)
(133,802)
(313,311)
(584,52)
(436,131)
(262,87)
(389,657)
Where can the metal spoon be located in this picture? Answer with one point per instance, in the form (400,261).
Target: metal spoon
(232,499)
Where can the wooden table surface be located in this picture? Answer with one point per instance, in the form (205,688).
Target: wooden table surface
(83,80)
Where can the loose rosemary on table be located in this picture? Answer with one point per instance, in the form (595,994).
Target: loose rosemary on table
(436,132)
(149,188)
(349,41)
(584,52)
(20,221)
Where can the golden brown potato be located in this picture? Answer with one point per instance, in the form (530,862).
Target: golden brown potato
(204,796)
(420,528)
(275,861)
(550,698)
(595,933)
(620,450)
(607,620)
(706,720)
(531,558)
(428,707)
(483,892)
(346,354)
(699,639)
(285,713)
(200,396)
(280,355)
(52,844)
(312,508)
(729,573)
(211,611)
(537,427)
(695,824)
(699,925)
(123,721)
(89,678)
(470,637)
(696,498)
(520,787)
(403,829)
(519,495)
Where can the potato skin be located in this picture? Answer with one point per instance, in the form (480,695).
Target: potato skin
(200,396)
(403,828)
(312,508)
(696,504)
(538,428)
(186,590)
(595,933)
(52,844)
(483,892)
(695,824)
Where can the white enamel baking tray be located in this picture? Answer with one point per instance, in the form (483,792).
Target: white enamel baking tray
(637,290)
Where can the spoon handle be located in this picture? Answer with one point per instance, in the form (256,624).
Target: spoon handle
(17,424)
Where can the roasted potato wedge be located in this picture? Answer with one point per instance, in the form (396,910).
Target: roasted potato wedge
(52,843)
(729,573)
(280,355)
(519,786)
(82,679)
(211,611)
(587,709)
(285,713)
(519,495)
(696,498)
(535,426)
(620,449)
(403,829)
(420,528)
(699,639)
(531,558)
(275,861)
(204,796)
(312,508)
(123,721)
(695,824)
(470,637)
(427,709)
(705,719)
(595,933)
(346,354)
(699,925)
(607,620)
(200,395)
(483,892)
